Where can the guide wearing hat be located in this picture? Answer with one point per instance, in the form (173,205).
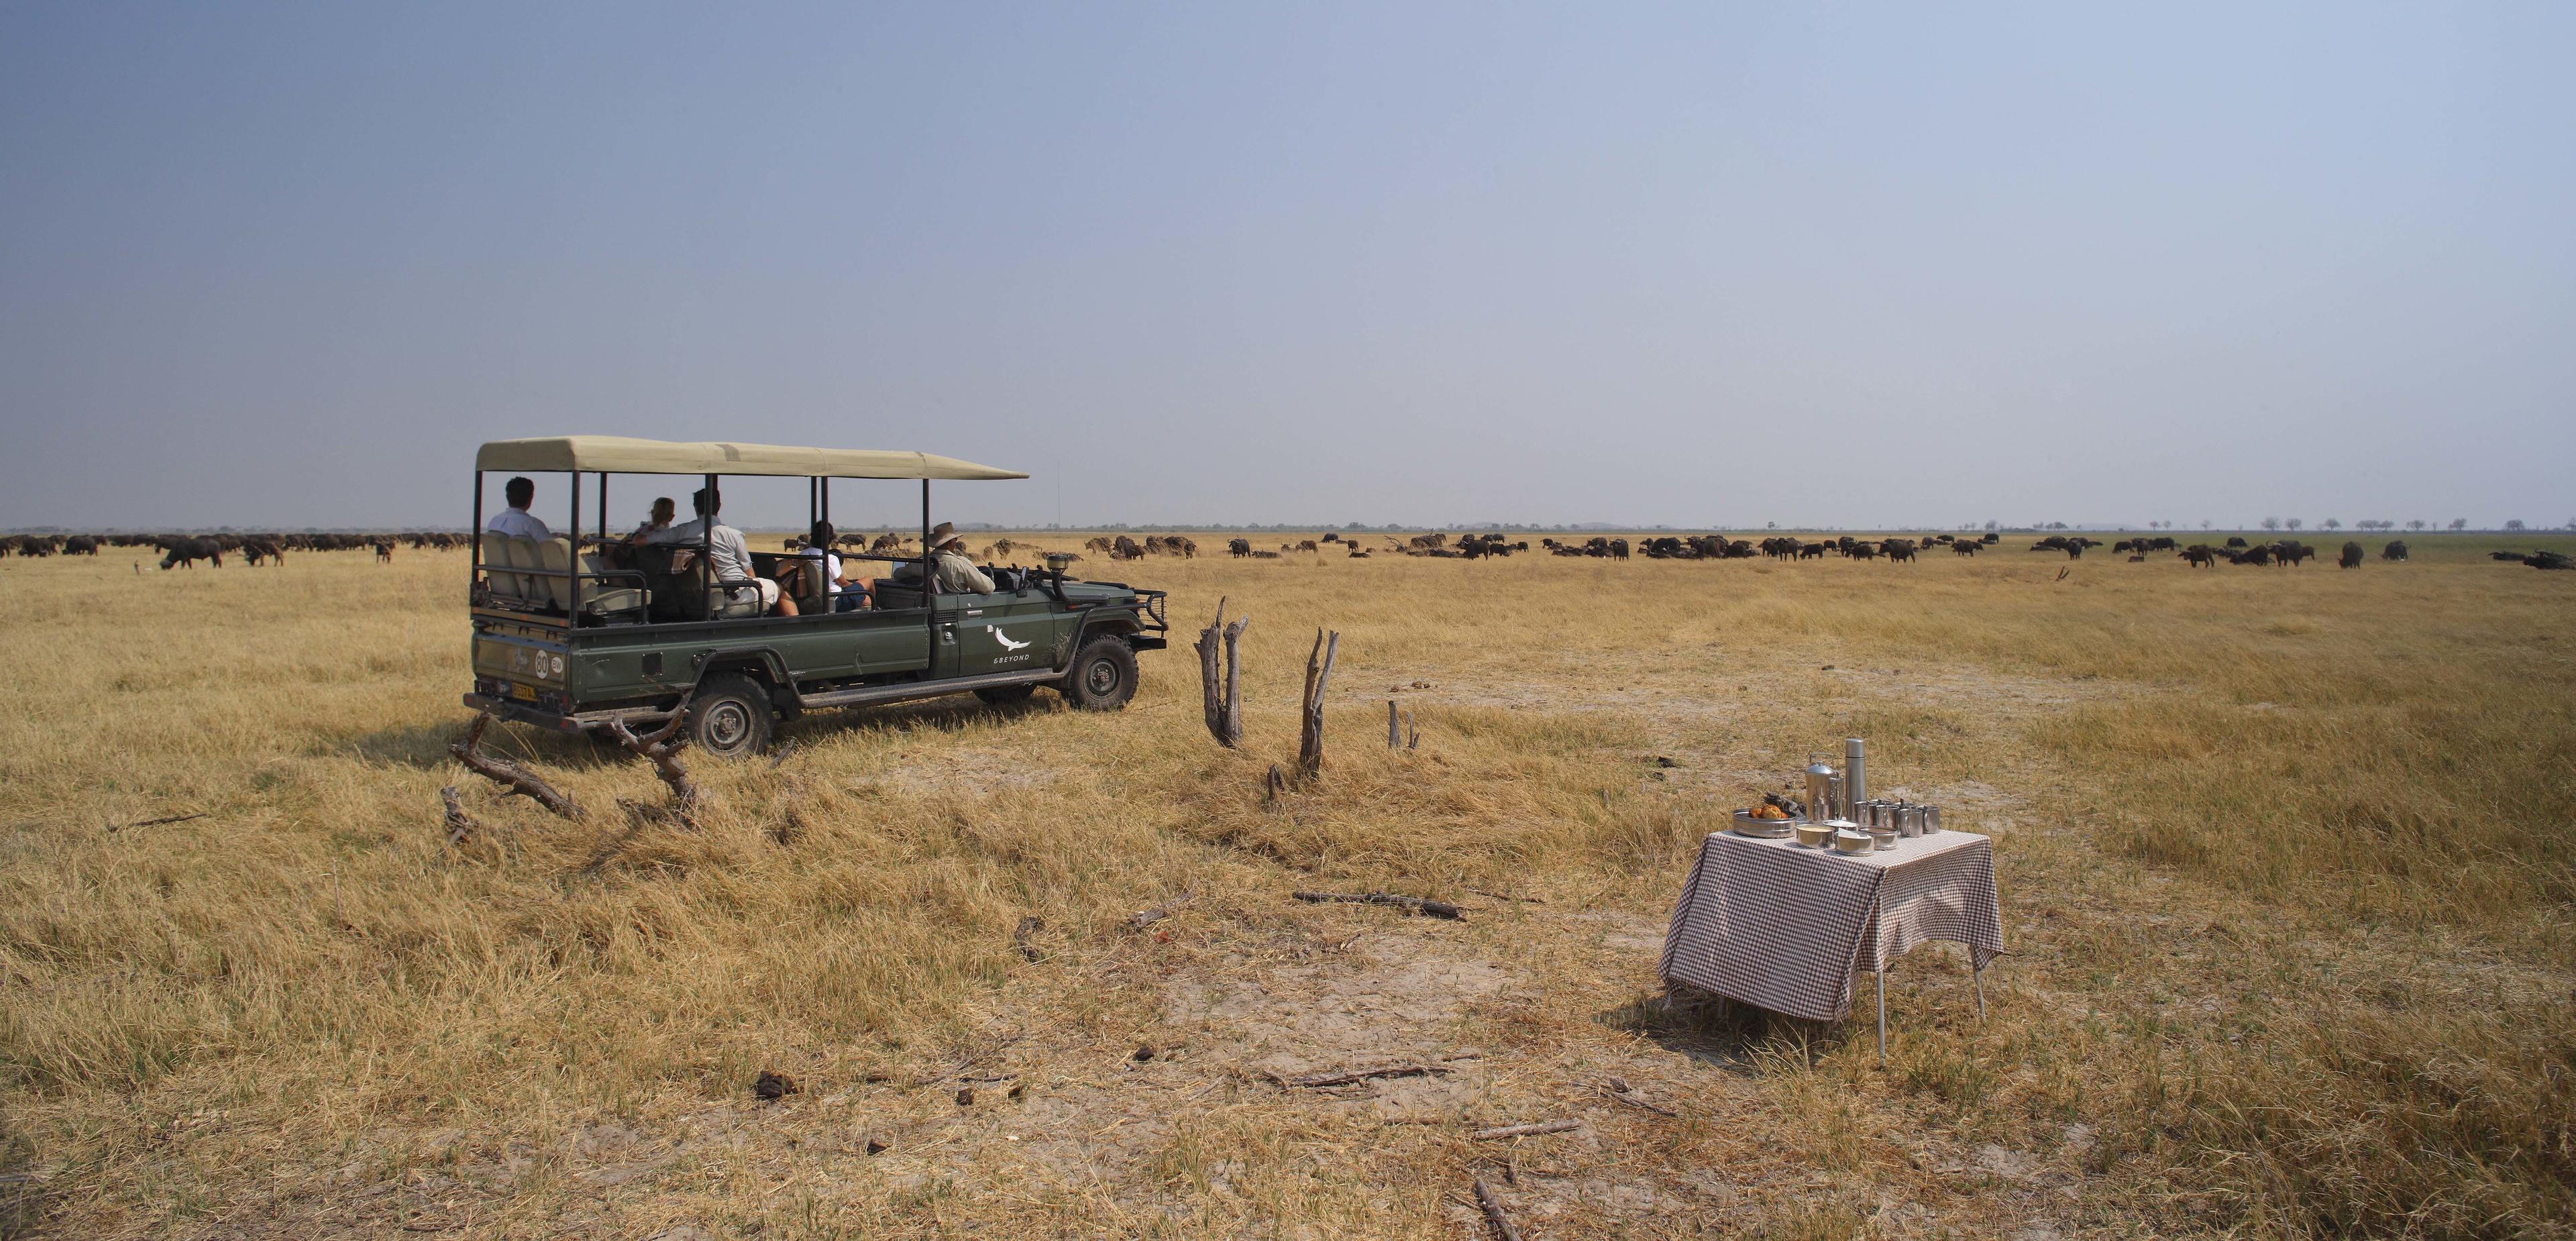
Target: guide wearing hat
(957,574)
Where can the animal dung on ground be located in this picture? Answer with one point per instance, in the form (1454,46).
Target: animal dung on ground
(1143,1053)
(965,1096)
(774,1086)
(877,1146)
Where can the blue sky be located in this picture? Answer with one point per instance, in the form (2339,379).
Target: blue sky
(1696,265)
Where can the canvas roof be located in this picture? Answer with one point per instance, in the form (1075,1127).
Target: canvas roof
(618,454)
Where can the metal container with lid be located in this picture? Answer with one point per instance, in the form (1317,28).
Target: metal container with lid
(1855,779)
(1820,787)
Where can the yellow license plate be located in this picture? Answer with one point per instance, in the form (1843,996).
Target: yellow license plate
(524,693)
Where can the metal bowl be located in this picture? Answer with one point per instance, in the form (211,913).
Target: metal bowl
(1853,842)
(1815,835)
(1747,824)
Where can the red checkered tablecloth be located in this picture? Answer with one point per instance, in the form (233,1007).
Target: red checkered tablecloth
(1786,928)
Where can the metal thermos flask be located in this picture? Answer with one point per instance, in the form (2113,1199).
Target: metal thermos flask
(1820,790)
(1855,779)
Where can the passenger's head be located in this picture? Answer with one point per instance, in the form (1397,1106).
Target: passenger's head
(706,501)
(664,509)
(820,536)
(521,492)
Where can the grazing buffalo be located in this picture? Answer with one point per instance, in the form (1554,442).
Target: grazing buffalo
(185,553)
(1240,547)
(259,551)
(1965,547)
(80,545)
(384,551)
(2549,560)
(2201,555)
(2236,540)
(2396,550)
(2351,556)
(1125,548)
(1899,551)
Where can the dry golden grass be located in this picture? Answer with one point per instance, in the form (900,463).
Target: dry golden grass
(2284,853)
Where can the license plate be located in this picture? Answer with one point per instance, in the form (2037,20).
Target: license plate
(524,693)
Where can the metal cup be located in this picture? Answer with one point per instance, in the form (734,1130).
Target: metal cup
(1931,820)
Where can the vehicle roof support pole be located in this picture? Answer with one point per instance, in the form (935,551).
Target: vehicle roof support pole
(930,615)
(827,498)
(603,511)
(707,549)
(572,563)
(474,538)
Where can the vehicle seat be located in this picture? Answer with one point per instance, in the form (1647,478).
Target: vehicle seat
(806,586)
(496,565)
(554,556)
(892,595)
(704,599)
(596,599)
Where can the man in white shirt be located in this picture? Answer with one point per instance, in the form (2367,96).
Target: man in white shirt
(516,521)
(727,554)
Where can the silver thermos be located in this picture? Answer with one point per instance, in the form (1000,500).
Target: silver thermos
(1820,788)
(1855,781)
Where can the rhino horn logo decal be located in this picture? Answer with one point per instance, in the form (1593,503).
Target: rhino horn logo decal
(1003,638)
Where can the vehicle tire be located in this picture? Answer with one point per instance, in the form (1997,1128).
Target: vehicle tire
(1007,695)
(730,717)
(1103,676)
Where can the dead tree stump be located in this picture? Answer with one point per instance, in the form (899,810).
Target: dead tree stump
(1225,708)
(1310,734)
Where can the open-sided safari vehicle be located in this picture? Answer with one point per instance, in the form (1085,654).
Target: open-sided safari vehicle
(575,632)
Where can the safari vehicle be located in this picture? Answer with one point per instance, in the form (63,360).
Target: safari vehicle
(577,632)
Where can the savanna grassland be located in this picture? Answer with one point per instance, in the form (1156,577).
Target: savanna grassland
(2285,859)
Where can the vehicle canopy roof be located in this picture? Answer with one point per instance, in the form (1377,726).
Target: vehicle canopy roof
(619,454)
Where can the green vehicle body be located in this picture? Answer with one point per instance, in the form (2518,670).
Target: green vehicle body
(572,669)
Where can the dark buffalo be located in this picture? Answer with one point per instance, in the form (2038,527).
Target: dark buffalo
(2351,556)
(1899,551)
(185,553)
(2396,550)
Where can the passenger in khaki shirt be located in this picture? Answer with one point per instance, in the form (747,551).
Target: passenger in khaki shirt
(957,574)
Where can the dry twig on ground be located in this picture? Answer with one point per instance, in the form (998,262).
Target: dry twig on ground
(1410,904)
(1525,1131)
(460,825)
(1493,1208)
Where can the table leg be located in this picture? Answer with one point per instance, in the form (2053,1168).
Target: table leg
(1882,1016)
(1977,977)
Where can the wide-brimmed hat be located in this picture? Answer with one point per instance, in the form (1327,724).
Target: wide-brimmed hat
(939,533)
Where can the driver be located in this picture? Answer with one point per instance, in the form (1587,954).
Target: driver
(957,574)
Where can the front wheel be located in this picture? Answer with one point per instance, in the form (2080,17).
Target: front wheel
(730,717)
(1103,676)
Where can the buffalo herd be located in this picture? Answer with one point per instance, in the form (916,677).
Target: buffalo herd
(183,551)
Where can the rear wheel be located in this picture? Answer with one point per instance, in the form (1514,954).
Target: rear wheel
(1006,695)
(1103,676)
(730,717)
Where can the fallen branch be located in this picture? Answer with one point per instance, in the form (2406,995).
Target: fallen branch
(1147,917)
(1347,1077)
(1410,904)
(1494,1215)
(460,825)
(1524,1131)
(1506,896)
(507,774)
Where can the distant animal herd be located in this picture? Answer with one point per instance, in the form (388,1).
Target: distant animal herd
(183,551)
